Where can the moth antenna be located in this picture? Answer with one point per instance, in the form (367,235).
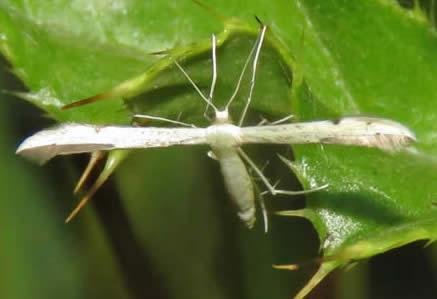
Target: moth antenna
(252,81)
(214,67)
(243,71)
(208,102)
(214,73)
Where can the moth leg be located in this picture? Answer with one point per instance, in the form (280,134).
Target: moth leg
(269,186)
(265,121)
(262,205)
(282,120)
(164,119)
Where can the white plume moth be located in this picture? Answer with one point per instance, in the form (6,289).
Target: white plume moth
(224,138)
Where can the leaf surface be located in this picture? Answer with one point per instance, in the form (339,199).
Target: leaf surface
(320,60)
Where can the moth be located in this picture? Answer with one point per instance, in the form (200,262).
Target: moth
(223,136)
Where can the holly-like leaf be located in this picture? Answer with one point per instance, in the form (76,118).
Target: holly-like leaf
(376,201)
(321,59)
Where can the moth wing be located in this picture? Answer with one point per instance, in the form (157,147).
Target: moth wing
(74,138)
(385,134)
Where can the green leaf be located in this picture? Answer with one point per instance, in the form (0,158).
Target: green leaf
(375,201)
(321,59)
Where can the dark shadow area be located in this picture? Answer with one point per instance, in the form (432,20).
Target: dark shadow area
(406,272)
(138,270)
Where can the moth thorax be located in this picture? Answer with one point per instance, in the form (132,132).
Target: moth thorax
(220,136)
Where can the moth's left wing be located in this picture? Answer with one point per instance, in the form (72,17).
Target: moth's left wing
(385,134)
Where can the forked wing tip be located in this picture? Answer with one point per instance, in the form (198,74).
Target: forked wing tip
(39,155)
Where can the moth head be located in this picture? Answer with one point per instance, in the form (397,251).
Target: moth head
(222,117)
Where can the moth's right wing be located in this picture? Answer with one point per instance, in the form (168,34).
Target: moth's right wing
(74,138)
